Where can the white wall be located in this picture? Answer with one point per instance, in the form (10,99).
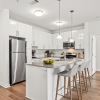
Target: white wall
(4,48)
(93,28)
(87,42)
(98,52)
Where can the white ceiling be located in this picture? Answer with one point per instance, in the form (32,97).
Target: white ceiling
(85,10)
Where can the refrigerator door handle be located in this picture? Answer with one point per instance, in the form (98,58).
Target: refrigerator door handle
(25,51)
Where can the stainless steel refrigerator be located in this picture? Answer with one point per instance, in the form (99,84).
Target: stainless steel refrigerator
(17,56)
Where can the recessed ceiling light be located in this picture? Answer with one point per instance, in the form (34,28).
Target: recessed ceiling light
(81,34)
(38,12)
(80,38)
(59,23)
(74,31)
(12,22)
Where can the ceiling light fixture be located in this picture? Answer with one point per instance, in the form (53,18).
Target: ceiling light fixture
(59,36)
(38,12)
(74,31)
(59,23)
(13,22)
(71,40)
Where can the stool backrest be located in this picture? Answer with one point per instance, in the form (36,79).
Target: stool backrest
(88,64)
(74,70)
(81,67)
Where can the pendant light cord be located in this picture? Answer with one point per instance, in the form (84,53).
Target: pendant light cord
(71,22)
(59,17)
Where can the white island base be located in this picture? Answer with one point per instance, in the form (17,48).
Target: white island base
(41,81)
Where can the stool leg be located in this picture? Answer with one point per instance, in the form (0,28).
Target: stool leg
(80,84)
(64,85)
(70,88)
(84,81)
(76,87)
(89,76)
(73,82)
(57,86)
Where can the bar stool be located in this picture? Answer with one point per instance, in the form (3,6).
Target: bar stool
(82,75)
(71,73)
(87,74)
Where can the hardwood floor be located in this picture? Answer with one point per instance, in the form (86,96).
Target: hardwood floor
(17,92)
(93,91)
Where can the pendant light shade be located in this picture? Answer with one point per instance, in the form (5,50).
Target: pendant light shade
(71,40)
(59,35)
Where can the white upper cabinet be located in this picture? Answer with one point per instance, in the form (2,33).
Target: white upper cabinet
(12,27)
(55,42)
(44,40)
(35,37)
(21,29)
(79,39)
(50,40)
(28,35)
(60,42)
(41,39)
(16,28)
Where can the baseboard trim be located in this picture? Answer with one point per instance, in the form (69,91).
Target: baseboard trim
(4,85)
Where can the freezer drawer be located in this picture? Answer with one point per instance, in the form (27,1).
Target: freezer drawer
(17,68)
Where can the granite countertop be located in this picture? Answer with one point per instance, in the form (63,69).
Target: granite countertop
(49,57)
(56,64)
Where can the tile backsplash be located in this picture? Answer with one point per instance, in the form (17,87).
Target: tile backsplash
(57,52)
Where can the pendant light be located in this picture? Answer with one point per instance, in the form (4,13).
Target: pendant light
(59,36)
(71,40)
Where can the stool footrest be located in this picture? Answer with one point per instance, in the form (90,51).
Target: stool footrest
(63,96)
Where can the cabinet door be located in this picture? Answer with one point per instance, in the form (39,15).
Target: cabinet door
(21,29)
(50,40)
(41,40)
(79,39)
(35,37)
(55,42)
(65,36)
(29,56)
(46,40)
(12,27)
(60,43)
(28,35)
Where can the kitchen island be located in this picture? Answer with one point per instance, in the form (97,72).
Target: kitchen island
(41,79)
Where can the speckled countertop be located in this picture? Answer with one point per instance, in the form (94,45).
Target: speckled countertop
(56,64)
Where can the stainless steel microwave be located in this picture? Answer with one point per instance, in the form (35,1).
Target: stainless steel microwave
(67,45)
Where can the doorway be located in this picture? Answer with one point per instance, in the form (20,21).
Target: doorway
(93,54)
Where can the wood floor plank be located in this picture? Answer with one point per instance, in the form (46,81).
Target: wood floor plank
(17,92)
